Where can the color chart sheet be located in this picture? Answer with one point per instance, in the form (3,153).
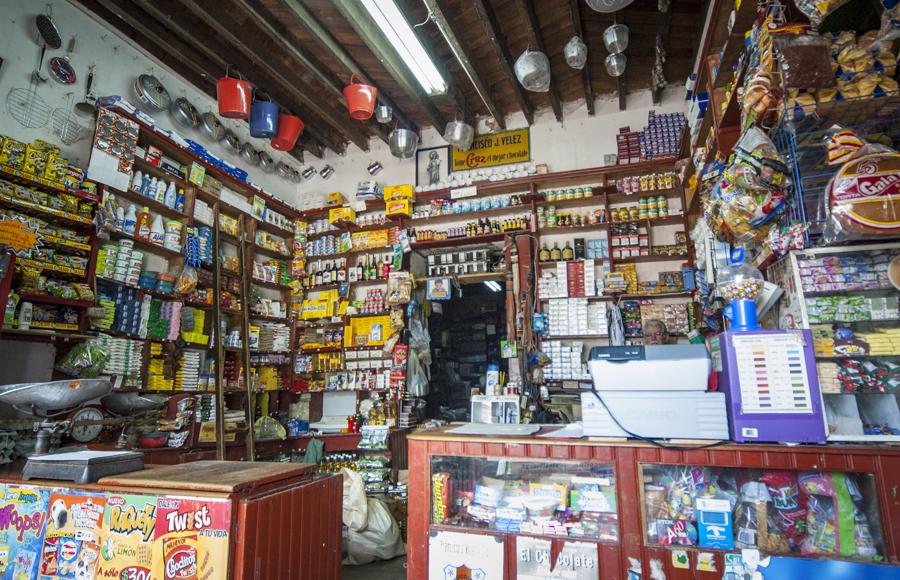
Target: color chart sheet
(772,373)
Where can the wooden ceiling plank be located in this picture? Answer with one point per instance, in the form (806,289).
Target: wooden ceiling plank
(620,80)
(153,32)
(153,10)
(492,30)
(575,9)
(315,29)
(533,28)
(340,124)
(463,56)
(325,78)
(375,40)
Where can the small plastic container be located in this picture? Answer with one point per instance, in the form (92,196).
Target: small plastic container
(739,280)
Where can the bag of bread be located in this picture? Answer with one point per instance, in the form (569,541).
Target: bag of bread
(862,200)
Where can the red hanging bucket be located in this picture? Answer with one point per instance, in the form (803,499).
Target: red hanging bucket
(234,96)
(289,130)
(360,99)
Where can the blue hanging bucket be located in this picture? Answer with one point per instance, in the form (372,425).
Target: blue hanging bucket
(263,116)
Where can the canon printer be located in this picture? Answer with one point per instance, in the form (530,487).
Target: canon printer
(656,391)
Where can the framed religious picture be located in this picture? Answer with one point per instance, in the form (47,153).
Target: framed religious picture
(432,166)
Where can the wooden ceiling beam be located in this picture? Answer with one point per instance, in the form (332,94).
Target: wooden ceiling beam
(463,55)
(374,39)
(321,34)
(620,80)
(575,9)
(533,27)
(328,80)
(259,61)
(213,52)
(152,33)
(501,50)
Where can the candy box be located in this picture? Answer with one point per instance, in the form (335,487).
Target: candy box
(714,529)
(341,214)
(398,207)
(399,192)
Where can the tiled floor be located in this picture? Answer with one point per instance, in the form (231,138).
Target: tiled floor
(381,570)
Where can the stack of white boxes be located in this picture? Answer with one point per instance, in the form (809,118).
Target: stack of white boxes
(566,364)
(576,317)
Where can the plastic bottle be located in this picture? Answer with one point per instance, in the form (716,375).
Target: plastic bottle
(130,221)
(120,218)
(25,316)
(142,226)
(137,181)
(157,231)
(160,191)
(171,195)
(145,184)
(150,190)
(179,201)
(492,380)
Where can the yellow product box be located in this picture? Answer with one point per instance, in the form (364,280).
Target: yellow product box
(398,207)
(336,198)
(12,152)
(398,192)
(341,214)
(368,331)
(197,173)
(365,240)
(228,224)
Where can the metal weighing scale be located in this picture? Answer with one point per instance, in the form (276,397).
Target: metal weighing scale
(55,405)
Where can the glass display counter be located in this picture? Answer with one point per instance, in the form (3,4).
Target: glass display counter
(552,498)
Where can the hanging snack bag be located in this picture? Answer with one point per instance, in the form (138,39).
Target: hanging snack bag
(834,523)
(788,503)
(863,197)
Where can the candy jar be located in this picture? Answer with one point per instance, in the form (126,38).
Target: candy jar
(739,283)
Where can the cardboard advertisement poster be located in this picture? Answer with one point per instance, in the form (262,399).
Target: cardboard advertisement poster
(127,549)
(191,538)
(71,547)
(459,556)
(23,516)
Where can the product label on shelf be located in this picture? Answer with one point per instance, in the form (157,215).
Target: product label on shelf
(18,235)
(494,149)
(23,517)
(576,560)
(192,536)
(772,372)
(454,555)
(130,523)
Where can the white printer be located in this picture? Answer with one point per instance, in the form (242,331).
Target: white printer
(656,391)
(336,407)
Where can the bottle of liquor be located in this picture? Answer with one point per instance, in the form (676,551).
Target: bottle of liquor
(568,253)
(342,270)
(544,254)
(555,253)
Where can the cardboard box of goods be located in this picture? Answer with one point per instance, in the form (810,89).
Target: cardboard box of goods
(336,198)
(398,207)
(341,214)
(399,192)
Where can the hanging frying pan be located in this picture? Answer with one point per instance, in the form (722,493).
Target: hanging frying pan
(184,113)
(211,127)
(266,163)
(232,143)
(249,154)
(47,36)
(151,93)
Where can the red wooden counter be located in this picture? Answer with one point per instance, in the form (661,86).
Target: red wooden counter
(215,519)
(457,459)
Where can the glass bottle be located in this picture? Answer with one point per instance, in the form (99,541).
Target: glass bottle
(555,253)
(544,254)
(568,253)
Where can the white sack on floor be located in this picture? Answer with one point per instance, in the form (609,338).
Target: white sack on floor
(355,511)
(381,539)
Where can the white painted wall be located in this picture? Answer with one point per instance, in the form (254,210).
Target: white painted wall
(579,142)
(118,63)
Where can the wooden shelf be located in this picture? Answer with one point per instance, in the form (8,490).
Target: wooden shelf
(48,335)
(556,230)
(48,267)
(146,167)
(617,198)
(271,228)
(144,245)
(271,285)
(659,221)
(468,216)
(270,252)
(464,241)
(552,264)
(47,299)
(65,244)
(598,199)
(280,319)
(651,258)
(141,200)
(48,213)
(29,180)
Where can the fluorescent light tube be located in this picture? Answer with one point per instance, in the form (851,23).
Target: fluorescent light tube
(493,285)
(404,40)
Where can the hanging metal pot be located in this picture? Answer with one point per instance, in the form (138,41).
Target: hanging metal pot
(326,172)
(249,154)
(383,114)
(263,116)
(308,173)
(616,38)
(211,127)
(184,113)
(232,143)
(266,163)
(576,53)
(283,170)
(615,64)
(607,6)
(152,95)
(459,134)
(403,143)
(533,71)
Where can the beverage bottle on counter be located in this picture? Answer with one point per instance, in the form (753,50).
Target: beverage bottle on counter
(544,254)
(130,222)
(568,253)
(555,253)
(143,224)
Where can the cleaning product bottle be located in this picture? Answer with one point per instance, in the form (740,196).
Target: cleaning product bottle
(157,231)
(142,227)
(160,191)
(120,218)
(130,220)
(25,316)
(171,195)
(137,181)
(150,191)
(179,201)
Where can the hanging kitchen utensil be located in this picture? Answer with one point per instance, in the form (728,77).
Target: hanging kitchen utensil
(151,93)
(234,95)
(615,64)
(266,163)
(232,143)
(249,154)
(295,176)
(615,38)
(86,107)
(61,70)
(64,125)
(533,71)
(308,173)
(283,170)
(263,116)
(576,53)
(289,130)
(383,114)
(360,99)
(403,143)
(184,113)
(27,108)
(459,134)
(328,171)
(47,36)
(374,168)
(607,6)
(211,127)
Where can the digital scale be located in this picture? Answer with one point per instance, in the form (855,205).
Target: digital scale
(771,386)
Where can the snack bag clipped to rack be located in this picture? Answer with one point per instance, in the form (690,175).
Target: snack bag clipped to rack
(835,522)
(862,200)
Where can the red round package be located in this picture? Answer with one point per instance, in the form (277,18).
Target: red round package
(789,504)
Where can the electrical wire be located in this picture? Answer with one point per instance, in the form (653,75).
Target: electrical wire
(657,441)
